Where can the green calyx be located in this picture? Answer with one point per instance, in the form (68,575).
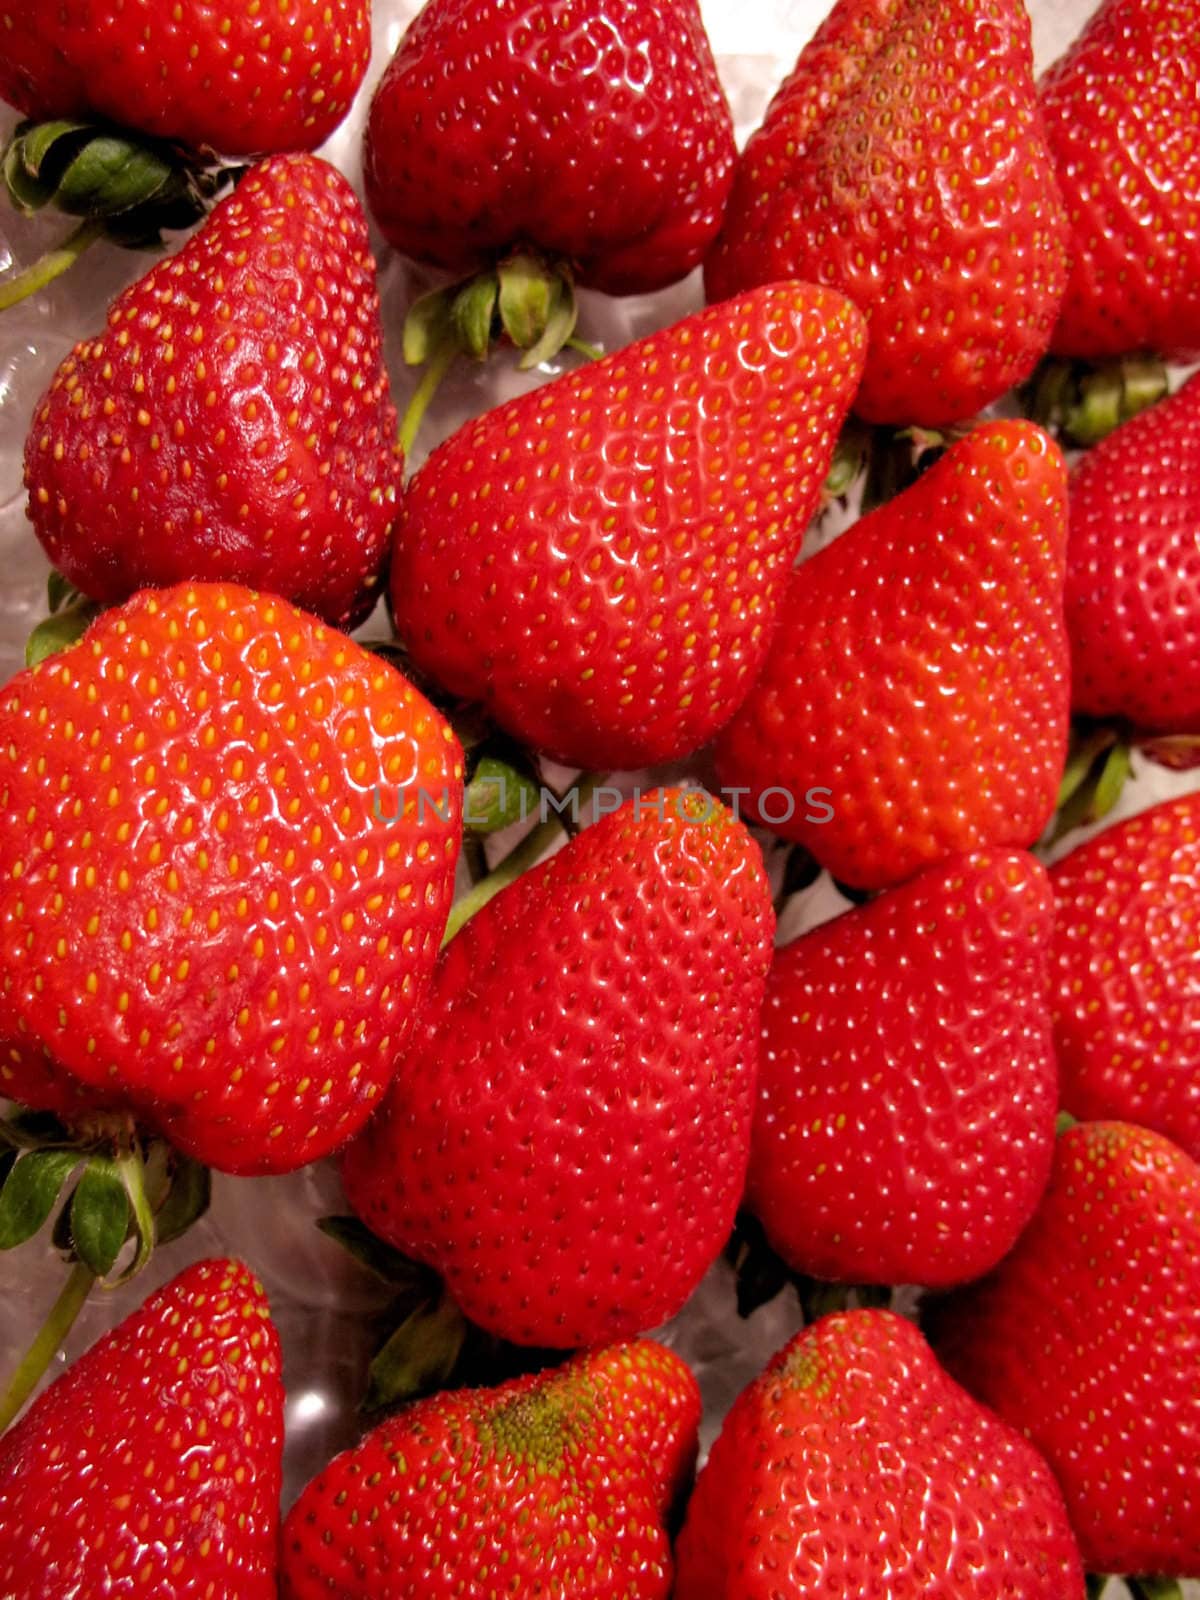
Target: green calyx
(525,300)
(1098,763)
(498,794)
(1085,403)
(71,614)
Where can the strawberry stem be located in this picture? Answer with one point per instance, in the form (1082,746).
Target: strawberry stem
(47,1344)
(50,266)
(431,379)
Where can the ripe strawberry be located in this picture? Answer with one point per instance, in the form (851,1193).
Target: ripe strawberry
(1087,1336)
(152,1466)
(566,1140)
(904,163)
(239,78)
(919,674)
(201,918)
(233,421)
(854,1466)
(1132,565)
(599,562)
(555,1485)
(593,132)
(1124,973)
(905,1128)
(1123,125)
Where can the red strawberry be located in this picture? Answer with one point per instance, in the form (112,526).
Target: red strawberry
(904,163)
(555,1486)
(854,1466)
(1126,973)
(152,1467)
(1133,570)
(600,561)
(593,132)
(905,1126)
(1123,124)
(238,78)
(233,422)
(1087,1339)
(567,1137)
(919,675)
(201,917)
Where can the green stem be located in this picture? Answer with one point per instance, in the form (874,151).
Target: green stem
(519,859)
(592,351)
(439,365)
(50,266)
(47,1344)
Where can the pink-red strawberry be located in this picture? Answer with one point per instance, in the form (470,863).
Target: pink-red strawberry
(919,672)
(152,1466)
(595,132)
(556,1485)
(233,421)
(239,78)
(1125,973)
(567,1136)
(907,1089)
(855,1466)
(1087,1338)
(1123,125)
(904,163)
(203,919)
(1133,571)
(599,562)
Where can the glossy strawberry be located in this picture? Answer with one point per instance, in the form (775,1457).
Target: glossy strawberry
(854,1466)
(595,132)
(555,1485)
(1133,571)
(202,916)
(1126,972)
(152,1466)
(907,1091)
(233,421)
(904,163)
(566,1140)
(599,562)
(239,78)
(1087,1337)
(919,674)
(1123,125)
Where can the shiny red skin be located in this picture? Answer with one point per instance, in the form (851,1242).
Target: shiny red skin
(1123,125)
(231,76)
(904,163)
(919,672)
(907,1089)
(567,1137)
(202,918)
(1125,974)
(1087,1338)
(855,1466)
(1133,570)
(233,422)
(592,130)
(600,562)
(152,1466)
(560,1485)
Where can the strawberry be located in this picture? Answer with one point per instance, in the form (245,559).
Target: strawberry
(599,562)
(904,163)
(201,918)
(855,1466)
(919,675)
(555,1485)
(233,421)
(1086,1338)
(566,1140)
(905,1128)
(1123,125)
(152,1466)
(1124,973)
(593,132)
(238,78)
(1131,594)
